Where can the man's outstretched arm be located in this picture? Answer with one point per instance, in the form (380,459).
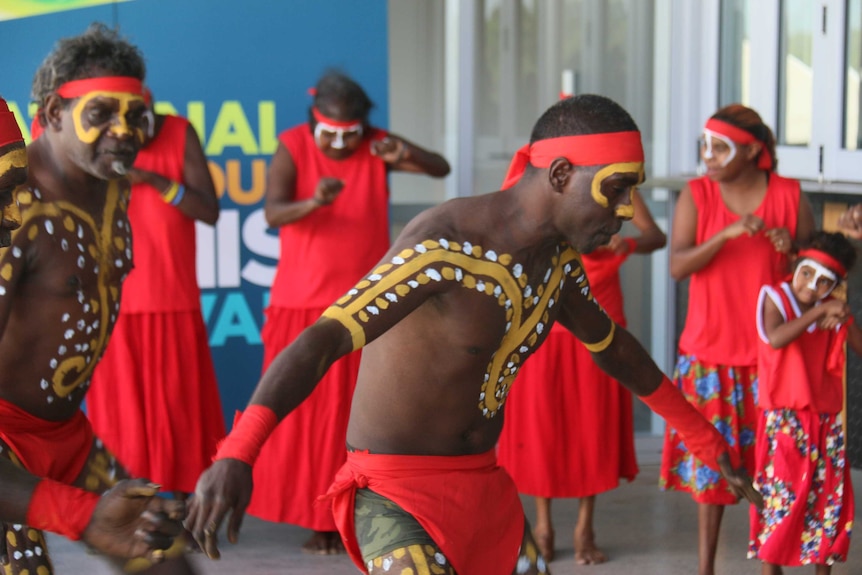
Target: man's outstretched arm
(126,522)
(620,355)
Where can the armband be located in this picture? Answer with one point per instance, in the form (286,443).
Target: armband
(61,508)
(174,194)
(701,438)
(250,431)
(600,346)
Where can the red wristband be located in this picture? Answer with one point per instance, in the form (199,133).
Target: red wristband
(250,430)
(632,244)
(699,435)
(61,508)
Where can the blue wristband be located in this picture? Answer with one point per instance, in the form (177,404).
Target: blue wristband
(179,197)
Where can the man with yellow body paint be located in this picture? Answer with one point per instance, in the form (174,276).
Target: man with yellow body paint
(60,280)
(466,293)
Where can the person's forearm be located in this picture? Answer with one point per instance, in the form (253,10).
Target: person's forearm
(43,503)
(783,334)
(199,205)
(284,213)
(685,262)
(16,488)
(417,159)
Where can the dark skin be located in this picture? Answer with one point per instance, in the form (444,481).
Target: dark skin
(850,222)
(199,201)
(281,208)
(129,521)
(743,189)
(449,335)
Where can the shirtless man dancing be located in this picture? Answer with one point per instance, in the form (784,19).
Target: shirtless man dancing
(466,293)
(60,283)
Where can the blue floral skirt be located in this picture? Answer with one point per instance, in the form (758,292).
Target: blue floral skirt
(727,397)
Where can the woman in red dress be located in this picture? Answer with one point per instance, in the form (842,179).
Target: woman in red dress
(327,192)
(732,231)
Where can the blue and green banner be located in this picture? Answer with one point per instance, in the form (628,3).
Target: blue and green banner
(240,71)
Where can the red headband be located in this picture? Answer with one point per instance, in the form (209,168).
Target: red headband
(78,88)
(588,150)
(318,115)
(740,136)
(9,130)
(825,259)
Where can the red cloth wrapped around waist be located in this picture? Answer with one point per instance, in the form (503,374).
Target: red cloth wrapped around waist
(466,503)
(54,449)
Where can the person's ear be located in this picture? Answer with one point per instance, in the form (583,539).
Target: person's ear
(53,112)
(559,173)
(752,150)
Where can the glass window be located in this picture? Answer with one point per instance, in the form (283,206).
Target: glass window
(734,66)
(853,77)
(796,78)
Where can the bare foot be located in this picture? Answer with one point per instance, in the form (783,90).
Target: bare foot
(586,552)
(324,543)
(545,542)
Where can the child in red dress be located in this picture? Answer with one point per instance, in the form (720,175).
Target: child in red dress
(801,467)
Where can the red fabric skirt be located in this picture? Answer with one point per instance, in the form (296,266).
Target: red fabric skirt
(808,501)
(57,450)
(727,397)
(300,459)
(568,429)
(154,399)
(466,503)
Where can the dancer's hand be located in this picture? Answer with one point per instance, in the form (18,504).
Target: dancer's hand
(739,481)
(223,488)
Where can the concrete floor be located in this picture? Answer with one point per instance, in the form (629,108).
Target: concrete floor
(642,530)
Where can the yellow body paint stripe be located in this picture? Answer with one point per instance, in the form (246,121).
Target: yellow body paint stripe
(345,318)
(420,560)
(14,159)
(602,345)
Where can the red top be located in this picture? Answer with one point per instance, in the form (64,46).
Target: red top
(325,253)
(799,375)
(163,238)
(723,295)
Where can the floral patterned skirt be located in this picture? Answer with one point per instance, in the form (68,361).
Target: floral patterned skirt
(808,506)
(727,397)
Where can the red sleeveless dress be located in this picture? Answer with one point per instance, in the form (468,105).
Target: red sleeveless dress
(154,399)
(717,366)
(322,256)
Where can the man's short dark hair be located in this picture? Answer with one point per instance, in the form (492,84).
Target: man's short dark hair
(581,115)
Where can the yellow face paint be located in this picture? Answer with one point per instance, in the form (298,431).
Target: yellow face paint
(627,211)
(90,135)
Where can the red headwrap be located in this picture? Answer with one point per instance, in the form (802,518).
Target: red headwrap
(9,130)
(825,259)
(740,136)
(78,88)
(587,150)
(320,117)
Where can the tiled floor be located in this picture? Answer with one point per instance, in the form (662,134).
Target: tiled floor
(643,530)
